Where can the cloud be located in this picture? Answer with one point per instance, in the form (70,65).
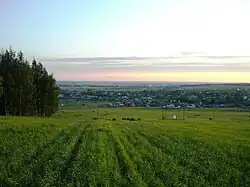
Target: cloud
(185,67)
(182,63)
(190,53)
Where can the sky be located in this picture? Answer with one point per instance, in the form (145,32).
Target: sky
(132,40)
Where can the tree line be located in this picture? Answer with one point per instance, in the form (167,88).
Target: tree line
(26,89)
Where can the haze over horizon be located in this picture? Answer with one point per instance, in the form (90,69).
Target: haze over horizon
(150,40)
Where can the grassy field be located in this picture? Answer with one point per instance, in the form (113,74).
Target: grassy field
(72,149)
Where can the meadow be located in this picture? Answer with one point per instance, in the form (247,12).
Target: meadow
(73,148)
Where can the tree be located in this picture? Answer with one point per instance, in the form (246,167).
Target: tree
(1,87)
(52,101)
(26,90)
(6,71)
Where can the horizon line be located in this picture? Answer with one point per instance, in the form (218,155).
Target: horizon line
(204,82)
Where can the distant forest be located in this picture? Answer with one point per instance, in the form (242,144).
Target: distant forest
(26,89)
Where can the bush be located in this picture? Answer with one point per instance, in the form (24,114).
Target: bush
(123,118)
(114,119)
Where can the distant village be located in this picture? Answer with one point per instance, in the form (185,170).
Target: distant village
(165,98)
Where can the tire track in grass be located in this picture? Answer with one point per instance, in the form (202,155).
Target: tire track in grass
(178,163)
(115,178)
(45,171)
(106,172)
(108,162)
(139,154)
(31,167)
(103,161)
(158,160)
(85,169)
(195,162)
(127,167)
(66,171)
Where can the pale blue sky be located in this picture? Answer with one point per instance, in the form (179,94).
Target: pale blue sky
(73,28)
(122,28)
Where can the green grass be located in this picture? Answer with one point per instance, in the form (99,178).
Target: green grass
(72,149)
(74,104)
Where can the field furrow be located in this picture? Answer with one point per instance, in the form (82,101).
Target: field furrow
(52,161)
(85,168)
(127,166)
(195,157)
(155,166)
(66,171)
